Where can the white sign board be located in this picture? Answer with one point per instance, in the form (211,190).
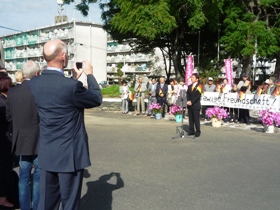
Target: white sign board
(249,101)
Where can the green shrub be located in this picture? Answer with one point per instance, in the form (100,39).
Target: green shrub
(112,92)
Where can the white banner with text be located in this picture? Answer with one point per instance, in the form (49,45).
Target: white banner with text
(248,101)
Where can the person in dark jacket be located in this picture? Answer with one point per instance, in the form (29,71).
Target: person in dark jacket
(194,106)
(63,151)
(22,112)
(6,158)
(161,92)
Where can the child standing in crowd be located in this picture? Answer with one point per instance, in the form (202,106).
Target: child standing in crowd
(124,90)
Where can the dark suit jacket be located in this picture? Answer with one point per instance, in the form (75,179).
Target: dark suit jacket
(22,111)
(61,101)
(194,96)
(164,91)
(5,127)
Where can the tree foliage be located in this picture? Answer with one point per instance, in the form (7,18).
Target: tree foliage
(251,27)
(170,25)
(83,6)
(177,27)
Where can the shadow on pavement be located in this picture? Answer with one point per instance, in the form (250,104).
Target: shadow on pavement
(99,193)
(258,129)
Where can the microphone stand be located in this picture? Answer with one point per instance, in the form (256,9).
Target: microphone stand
(181,133)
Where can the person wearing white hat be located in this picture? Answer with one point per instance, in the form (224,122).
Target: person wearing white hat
(209,87)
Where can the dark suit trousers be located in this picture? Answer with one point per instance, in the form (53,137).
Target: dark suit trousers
(162,102)
(194,121)
(244,115)
(6,165)
(64,187)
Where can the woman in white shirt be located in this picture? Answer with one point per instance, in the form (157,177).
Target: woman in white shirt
(124,90)
(225,87)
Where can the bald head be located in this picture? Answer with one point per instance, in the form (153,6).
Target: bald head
(55,53)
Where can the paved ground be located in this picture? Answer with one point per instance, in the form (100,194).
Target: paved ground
(225,168)
(235,167)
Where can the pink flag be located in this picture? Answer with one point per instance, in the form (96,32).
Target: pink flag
(189,69)
(228,70)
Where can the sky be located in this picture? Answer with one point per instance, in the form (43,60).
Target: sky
(25,15)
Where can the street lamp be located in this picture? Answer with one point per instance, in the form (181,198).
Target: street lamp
(262,63)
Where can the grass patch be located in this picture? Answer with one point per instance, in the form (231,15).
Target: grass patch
(113,91)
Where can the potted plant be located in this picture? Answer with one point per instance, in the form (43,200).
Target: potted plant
(156,109)
(269,119)
(216,114)
(177,111)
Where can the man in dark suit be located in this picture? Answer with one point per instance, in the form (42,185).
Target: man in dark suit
(194,106)
(63,150)
(161,92)
(22,111)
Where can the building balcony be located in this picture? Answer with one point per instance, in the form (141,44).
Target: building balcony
(111,49)
(19,65)
(128,69)
(8,43)
(10,66)
(124,49)
(111,69)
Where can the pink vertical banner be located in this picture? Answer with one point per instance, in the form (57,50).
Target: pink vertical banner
(189,69)
(228,70)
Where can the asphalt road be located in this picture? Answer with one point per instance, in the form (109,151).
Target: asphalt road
(225,168)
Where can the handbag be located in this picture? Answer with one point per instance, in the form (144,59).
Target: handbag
(130,97)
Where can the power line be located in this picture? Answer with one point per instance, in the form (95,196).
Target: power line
(10,29)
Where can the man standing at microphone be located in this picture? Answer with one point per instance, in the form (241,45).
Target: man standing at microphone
(194,106)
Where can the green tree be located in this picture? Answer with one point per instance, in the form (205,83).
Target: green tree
(174,26)
(83,6)
(171,25)
(251,27)
(119,72)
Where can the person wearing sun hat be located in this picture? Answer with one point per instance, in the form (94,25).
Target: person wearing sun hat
(244,83)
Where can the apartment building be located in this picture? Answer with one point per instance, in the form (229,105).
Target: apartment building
(85,41)
(121,56)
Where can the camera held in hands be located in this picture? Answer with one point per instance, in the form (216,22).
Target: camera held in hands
(79,65)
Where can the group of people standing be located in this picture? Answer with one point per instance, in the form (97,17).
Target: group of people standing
(42,122)
(165,95)
(181,95)
(19,124)
(244,85)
